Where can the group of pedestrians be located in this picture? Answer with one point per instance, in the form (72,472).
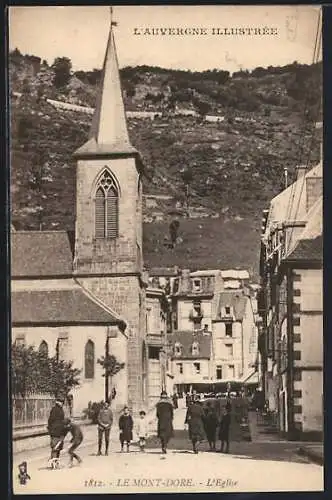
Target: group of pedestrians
(59,426)
(202,422)
(205,420)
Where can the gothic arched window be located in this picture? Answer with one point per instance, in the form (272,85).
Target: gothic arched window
(106,207)
(89,360)
(43,348)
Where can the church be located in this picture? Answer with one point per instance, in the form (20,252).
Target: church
(86,293)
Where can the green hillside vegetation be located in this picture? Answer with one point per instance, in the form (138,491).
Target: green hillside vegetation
(234,167)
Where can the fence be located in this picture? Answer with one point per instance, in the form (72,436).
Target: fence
(32,410)
(268,419)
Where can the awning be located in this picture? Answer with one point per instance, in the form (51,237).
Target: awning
(252,378)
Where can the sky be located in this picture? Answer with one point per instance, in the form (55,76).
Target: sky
(80,33)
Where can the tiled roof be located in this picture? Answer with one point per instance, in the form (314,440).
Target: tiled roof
(309,250)
(41,253)
(59,306)
(234,299)
(186,339)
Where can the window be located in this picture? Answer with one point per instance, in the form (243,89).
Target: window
(197,285)
(61,347)
(219,372)
(197,368)
(106,207)
(206,328)
(89,359)
(228,310)
(229,329)
(177,349)
(179,368)
(154,352)
(229,349)
(231,371)
(43,348)
(195,349)
(197,308)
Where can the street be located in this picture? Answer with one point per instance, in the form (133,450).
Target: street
(249,467)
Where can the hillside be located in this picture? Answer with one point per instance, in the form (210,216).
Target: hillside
(232,167)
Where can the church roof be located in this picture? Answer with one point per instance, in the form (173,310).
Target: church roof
(109,133)
(41,253)
(59,307)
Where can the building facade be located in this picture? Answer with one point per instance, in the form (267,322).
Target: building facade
(234,338)
(291,337)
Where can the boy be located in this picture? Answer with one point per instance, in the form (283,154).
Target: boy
(105,421)
(76,440)
(142,429)
(126,428)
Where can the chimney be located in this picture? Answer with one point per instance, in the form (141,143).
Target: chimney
(314,190)
(185,281)
(301,171)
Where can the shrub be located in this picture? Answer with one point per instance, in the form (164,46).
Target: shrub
(92,411)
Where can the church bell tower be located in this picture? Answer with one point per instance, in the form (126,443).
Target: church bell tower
(108,233)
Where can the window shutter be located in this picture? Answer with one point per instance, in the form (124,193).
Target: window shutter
(100,213)
(112,214)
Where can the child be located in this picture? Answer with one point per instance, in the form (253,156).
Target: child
(126,428)
(23,473)
(76,440)
(142,429)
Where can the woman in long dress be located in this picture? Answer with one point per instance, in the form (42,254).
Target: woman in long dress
(165,420)
(194,419)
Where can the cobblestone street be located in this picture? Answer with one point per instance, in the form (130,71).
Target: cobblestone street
(250,466)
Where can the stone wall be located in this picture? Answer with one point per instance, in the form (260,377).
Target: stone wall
(126,297)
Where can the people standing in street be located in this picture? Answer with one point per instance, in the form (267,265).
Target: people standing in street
(76,440)
(105,421)
(126,425)
(56,429)
(210,424)
(224,429)
(175,400)
(194,419)
(142,430)
(165,415)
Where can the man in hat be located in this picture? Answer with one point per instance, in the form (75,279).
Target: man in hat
(56,428)
(165,420)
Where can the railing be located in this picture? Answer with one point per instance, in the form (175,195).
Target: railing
(268,419)
(32,410)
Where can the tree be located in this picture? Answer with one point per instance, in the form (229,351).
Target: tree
(62,71)
(202,107)
(111,367)
(34,371)
(173,230)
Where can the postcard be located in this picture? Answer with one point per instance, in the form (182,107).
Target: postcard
(166,249)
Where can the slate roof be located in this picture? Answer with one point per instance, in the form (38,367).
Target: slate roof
(309,246)
(234,299)
(308,250)
(41,253)
(186,339)
(59,306)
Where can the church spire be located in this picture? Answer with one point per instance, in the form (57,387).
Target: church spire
(108,133)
